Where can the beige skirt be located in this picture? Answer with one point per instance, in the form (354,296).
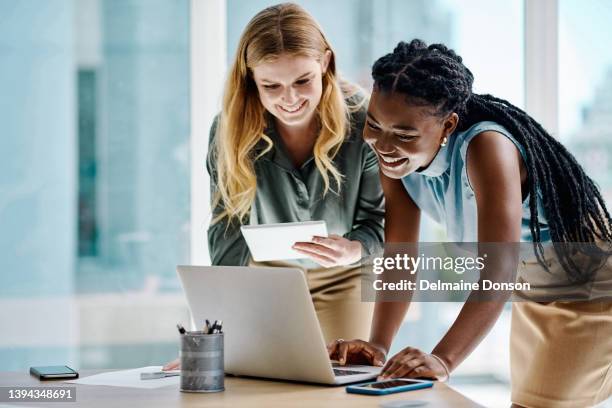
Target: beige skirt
(336,295)
(561,352)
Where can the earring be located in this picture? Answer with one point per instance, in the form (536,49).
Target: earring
(444,141)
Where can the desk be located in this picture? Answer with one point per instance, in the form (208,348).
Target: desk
(239,392)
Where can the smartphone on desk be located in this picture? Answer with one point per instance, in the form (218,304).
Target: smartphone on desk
(53,372)
(389,386)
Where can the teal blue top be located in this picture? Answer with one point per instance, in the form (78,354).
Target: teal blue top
(443,190)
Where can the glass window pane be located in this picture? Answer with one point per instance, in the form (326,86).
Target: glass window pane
(94,180)
(363,30)
(585,86)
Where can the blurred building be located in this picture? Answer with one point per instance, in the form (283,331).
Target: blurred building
(592,142)
(94,188)
(359,30)
(133,132)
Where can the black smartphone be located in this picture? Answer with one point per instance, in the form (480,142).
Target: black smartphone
(53,372)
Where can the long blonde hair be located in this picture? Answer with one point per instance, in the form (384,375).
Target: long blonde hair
(281,29)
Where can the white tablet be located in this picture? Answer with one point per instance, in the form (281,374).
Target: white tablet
(272,242)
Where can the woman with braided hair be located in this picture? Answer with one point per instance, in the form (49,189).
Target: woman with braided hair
(490,173)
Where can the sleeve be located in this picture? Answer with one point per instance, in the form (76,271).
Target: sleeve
(226,244)
(368,222)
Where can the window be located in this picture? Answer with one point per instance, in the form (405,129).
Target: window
(95,184)
(362,31)
(585,86)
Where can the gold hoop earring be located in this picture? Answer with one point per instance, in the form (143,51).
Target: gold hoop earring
(444,141)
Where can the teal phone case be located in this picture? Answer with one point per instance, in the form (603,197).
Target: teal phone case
(358,388)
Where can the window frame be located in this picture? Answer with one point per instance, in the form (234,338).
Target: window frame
(542,62)
(208,44)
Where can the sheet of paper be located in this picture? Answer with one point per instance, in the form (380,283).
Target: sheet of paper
(129,378)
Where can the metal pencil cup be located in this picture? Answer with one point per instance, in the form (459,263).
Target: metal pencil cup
(202,362)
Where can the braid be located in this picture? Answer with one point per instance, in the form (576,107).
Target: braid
(574,207)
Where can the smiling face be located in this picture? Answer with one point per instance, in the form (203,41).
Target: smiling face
(290,87)
(405,137)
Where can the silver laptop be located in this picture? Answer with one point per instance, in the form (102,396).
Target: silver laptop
(270,325)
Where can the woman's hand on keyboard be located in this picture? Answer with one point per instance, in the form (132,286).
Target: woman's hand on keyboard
(356,352)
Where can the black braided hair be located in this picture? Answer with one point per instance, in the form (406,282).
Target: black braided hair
(435,76)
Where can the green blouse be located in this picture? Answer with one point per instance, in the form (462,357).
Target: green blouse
(289,194)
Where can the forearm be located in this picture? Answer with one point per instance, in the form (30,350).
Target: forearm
(402,220)
(481,309)
(493,168)
(473,323)
(386,321)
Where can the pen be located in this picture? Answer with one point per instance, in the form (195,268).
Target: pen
(159,374)
(217,326)
(207,328)
(180,328)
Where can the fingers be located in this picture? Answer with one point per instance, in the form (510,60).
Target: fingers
(320,254)
(335,352)
(403,363)
(390,367)
(420,371)
(339,250)
(389,363)
(331,242)
(315,248)
(402,367)
(332,349)
(320,259)
(343,349)
(374,355)
(355,351)
(172,365)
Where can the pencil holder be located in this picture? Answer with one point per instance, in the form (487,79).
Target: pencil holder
(202,362)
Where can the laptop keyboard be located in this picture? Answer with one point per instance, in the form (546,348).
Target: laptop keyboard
(338,372)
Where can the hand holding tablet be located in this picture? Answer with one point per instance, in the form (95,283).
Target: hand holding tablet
(330,251)
(300,240)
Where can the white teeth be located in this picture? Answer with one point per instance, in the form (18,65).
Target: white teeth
(292,109)
(390,160)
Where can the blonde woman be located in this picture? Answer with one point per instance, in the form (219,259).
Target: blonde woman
(287,147)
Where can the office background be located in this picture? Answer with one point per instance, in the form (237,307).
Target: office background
(99,125)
